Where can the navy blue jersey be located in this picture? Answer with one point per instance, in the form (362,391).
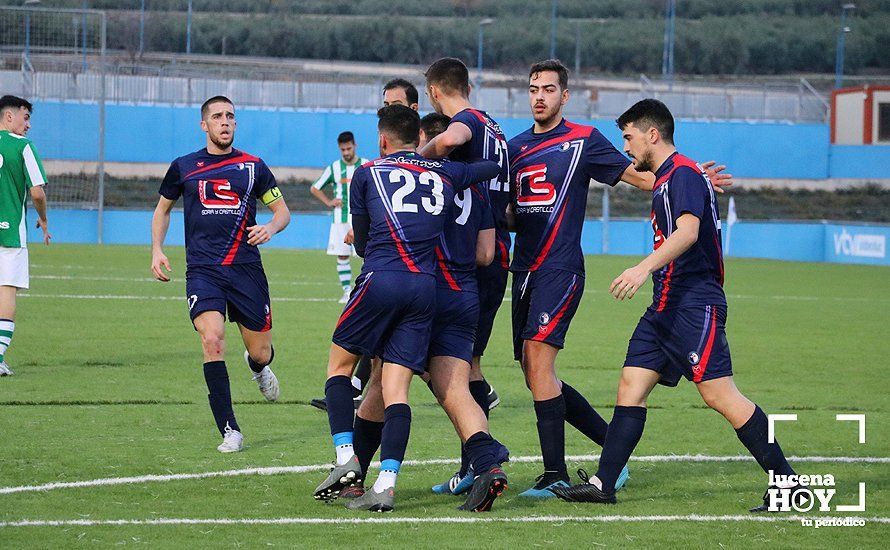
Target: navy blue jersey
(219,195)
(488,143)
(696,277)
(456,251)
(407,199)
(551,174)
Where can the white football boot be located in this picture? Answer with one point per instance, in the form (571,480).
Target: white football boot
(266,380)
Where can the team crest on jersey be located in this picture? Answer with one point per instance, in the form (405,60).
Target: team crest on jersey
(218,194)
(693,358)
(544,319)
(565,146)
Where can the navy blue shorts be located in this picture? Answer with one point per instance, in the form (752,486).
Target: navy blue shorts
(454,326)
(241,289)
(684,341)
(544,303)
(389,315)
(492,286)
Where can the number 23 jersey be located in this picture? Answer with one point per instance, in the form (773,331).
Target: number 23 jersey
(407,198)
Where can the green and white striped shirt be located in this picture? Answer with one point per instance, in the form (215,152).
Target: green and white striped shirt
(20,169)
(339,174)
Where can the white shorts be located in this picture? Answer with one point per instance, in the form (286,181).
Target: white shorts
(336,246)
(14,267)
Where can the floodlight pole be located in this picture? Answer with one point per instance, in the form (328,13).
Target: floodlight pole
(553,29)
(142,28)
(841,35)
(482,24)
(667,56)
(188,30)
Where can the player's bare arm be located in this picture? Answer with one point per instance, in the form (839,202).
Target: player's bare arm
(645,181)
(259,234)
(442,145)
(485,243)
(38,198)
(160,222)
(320,195)
(686,234)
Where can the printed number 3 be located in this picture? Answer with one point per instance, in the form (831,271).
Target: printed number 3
(399,204)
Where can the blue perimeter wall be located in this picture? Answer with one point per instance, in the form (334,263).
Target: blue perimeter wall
(806,242)
(158,134)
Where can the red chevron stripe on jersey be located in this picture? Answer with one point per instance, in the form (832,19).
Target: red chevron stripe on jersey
(576,131)
(243,157)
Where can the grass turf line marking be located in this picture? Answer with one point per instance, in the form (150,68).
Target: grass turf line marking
(149,298)
(277,470)
(153,280)
(505,300)
(697,518)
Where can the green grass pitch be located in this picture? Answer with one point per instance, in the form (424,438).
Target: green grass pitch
(109,384)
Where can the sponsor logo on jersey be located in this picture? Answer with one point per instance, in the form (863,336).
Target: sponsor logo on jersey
(218,194)
(534,190)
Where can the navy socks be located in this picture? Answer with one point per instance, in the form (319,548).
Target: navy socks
(753,436)
(220,396)
(625,431)
(551,415)
(582,416)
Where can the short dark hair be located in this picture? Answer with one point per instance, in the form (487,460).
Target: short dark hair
(434,124)
(15,102)
(551,65)
(399,121)
(215,99)
(450,74)
(410,90)
(649,113)
(345,137)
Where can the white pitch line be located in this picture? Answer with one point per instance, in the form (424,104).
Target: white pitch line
(151,298)
(274,299)
(153,280)
(696,518)
(276,470)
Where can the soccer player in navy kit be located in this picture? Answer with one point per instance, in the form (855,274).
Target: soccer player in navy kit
(220,186)
(682,333)
(551,165)
(473,135)
(399,204)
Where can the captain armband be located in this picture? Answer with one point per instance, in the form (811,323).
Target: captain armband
(271,196)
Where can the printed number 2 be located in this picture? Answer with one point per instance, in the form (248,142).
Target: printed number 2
(399,203)
(500,151)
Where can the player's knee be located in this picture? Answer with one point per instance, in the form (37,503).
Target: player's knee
(629,394)
(213,341)
(261,354)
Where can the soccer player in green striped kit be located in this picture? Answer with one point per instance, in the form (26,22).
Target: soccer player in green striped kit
(338,174)
(21,174)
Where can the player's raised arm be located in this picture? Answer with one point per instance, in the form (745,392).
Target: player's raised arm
(646,180)
(442,145)
(160,222)
(477,172)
